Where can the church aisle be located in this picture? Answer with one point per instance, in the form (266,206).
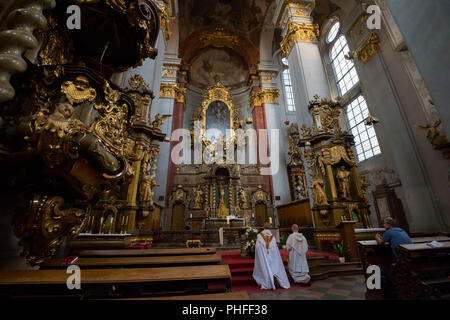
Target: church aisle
(336,288)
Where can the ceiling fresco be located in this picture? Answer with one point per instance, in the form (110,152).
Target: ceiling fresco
(243,16)
(218,65)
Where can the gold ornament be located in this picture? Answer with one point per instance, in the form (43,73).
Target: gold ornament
(78,91)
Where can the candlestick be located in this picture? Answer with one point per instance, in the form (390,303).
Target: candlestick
(228,220)
(270,220)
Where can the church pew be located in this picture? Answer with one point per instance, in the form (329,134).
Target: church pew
(381,255)
(143,252)
(101,283)
(228,296)
(422,272)
(133,262)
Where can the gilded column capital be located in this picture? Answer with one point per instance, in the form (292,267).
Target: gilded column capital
(172,91)
(264,96)
(368,48)
(299,32)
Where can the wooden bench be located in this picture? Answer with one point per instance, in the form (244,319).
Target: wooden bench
(135,262)
(422,272)
(144,252)
(239,295)
(133,282)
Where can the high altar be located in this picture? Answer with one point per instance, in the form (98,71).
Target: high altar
(217,194)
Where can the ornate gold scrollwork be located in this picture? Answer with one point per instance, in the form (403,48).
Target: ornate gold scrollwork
(219,39)
(42,230)
(111,126)
(368,48)
(78,91)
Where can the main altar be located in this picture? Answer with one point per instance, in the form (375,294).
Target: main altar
(218,193)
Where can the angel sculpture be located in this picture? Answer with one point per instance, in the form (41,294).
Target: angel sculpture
(159,120)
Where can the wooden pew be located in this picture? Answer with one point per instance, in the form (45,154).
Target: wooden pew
(228,296)
(135,262)
(143,252)
(133,282)
(381,255)
(422,272)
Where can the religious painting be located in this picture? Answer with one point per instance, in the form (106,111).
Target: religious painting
(217,120)
(217,65)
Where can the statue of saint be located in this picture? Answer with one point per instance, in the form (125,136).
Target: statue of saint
(243,199)
(343,177)
(318,188)
(223,212)
(198,198)
(145,189)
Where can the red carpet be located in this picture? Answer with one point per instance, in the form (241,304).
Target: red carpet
(242,270)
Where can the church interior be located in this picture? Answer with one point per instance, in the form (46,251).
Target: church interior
(143,141)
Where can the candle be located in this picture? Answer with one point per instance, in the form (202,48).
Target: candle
(270,220)
(228,220)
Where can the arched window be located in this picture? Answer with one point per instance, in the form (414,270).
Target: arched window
(287,84)
(347,80)
(344,70)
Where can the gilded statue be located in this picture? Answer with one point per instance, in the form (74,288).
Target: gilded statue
(223,212)
(343,177)
(146,189)
(318,188)
(159,120)
(198,198)
(243,201)
(364,186)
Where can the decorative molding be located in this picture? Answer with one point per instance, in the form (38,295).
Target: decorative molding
(368,48)
(171,91)
(268,76)
(299,32)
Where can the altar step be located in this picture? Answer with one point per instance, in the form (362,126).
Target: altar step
(321,266)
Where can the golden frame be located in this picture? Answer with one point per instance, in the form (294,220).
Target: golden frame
(218,93)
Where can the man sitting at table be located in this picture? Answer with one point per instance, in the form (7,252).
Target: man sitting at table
(297,245)
(269,269)
(393,234)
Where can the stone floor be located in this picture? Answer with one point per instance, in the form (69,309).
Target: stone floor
(335,288)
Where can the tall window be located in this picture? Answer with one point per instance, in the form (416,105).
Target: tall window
(346,76)
(288,87)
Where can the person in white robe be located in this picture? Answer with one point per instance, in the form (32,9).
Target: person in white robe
(297,246)
(269,269)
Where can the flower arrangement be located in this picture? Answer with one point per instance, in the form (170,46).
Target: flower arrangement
(339,249)
(251,236)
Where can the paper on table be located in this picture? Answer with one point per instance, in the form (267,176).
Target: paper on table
(435,244)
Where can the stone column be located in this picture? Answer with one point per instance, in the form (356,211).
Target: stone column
(300,47)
